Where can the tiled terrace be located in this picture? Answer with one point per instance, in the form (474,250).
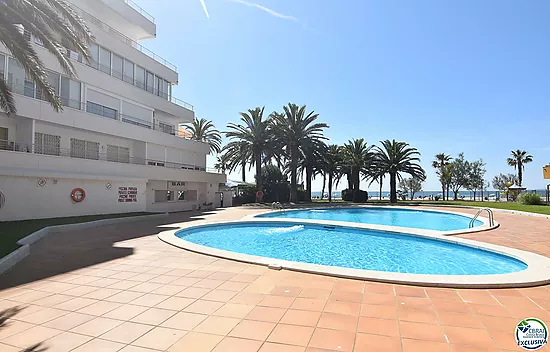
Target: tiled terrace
(119,288)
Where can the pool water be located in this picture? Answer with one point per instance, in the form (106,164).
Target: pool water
(351,248)
(420,219)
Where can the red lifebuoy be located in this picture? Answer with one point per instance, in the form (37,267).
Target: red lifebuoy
(260,194)
(78,195)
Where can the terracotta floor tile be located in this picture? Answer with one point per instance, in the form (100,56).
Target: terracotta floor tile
(6,348)
(378,298)
(338,322)
(410,291)
(102,293)
(348,308)
(30,337)
(267,314)
(277,301)
(301,317)
(478,297)
(236,344)
(203,307)
(498,323)
(54,299)
(424,346)
(193,292)
(315,293)
(196,342)
(97,326)
(450,306)
(333,340)
(124,297)
(505,340)
(420,331)
(493,310)
(184,321)
(233,286)
(125,312)
(291,334)
(99,345)
(505,292)
(247,298)
(349,285)
(168,290)
(175,303)
(380,288)
(253,330)
(149,300)
(346,296)
(12,327)
(316,305)
(379,311)
(68,321)
(201,274)
(153,316)
(369,342)
(219,296)
(465,348)
(414,302)
(275,347)
(378,326)
(65,342)
(443,293)
(459,319)
(207,283)
(417,315)
(519,302)
(99,308)
(76,303)
(287,291)
(159,338)
(221,276)
(42,316)
(467,336)
(244,277)
(217,325)
(232,310)
(131,348)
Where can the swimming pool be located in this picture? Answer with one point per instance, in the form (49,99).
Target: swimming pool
(349,247)
(420,219)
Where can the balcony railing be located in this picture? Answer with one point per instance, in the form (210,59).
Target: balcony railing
(12,146)
(140,10)
(154,124)
(113,32)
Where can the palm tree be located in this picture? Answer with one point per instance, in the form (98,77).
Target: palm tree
(238,154)
(394,158)
(358,157)
(441,160)
(311,161)
(518,160)
(332,162)
(295,129)
(57,26)
(253,139)
(204,130)
(222,163)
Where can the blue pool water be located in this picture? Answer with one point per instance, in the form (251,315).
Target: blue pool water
(351,248)
(420,219)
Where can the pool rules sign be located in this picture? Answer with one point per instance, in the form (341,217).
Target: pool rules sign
(127,194)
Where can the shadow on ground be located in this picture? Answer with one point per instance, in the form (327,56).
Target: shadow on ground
(5,315)
(65,252)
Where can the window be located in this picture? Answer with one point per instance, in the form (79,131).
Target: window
(156,87)
(167,128)
(29,87)
(140,77)
(94,50)
(128,71)
(48,144)
(181,195)
(16,76)
(165,89)
(104,60)
(84,149)
(2,63)
(164,196)
(70,93)
(150,82)
(118,154)
(117,66)
(97,109)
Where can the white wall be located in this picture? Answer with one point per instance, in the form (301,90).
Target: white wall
(173,206)
(25,131)
(136,111)
(102,99)
(10,124)
(25,199)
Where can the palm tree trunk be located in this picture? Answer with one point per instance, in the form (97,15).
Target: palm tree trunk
(393,188)
(309,172)
(258,162)
(324,181)
(350,180)
(520,173)
(330,187)
(448,191)
(442,191)
(293,173)
(380,184)
(243,165)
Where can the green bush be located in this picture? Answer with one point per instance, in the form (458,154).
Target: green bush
(347,195)
(301,196)
(247,194)
(529,199)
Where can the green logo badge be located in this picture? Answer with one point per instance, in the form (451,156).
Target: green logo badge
(531,334)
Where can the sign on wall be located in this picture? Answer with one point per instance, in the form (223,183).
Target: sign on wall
(127,194)
(176,185)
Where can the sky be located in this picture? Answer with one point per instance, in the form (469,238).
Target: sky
(446,76)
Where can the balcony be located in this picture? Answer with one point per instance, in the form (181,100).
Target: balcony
(14,146)
(155,124)
(140,10)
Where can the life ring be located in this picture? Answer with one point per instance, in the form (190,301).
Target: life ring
(78,195)
(259,194)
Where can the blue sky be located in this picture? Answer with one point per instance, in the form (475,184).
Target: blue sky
(444,75)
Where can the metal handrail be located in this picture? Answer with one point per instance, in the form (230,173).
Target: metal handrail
(140,10)
(13,146)
(276,205)
(491,217)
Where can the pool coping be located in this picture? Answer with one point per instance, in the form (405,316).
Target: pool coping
(484,227)
(536,273)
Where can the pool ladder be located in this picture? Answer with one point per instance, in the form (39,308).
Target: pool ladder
(276,205)
(491,217)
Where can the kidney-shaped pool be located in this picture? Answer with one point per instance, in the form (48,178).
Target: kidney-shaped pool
(351,248)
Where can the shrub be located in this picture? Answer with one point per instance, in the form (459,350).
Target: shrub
(529,199)
(347,195)
(247,194)
(301,195)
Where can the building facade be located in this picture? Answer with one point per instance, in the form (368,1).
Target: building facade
(117,146)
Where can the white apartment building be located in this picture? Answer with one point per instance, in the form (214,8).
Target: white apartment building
(116,146)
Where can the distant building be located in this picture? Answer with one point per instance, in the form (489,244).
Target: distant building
(118,145)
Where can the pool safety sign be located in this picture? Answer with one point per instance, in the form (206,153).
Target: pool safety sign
(127,194)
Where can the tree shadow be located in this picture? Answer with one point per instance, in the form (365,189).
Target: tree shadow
(65,252)
(7,314)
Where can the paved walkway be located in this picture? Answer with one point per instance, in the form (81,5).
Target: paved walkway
(118,288)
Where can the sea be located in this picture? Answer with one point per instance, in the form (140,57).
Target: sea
(426,194)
